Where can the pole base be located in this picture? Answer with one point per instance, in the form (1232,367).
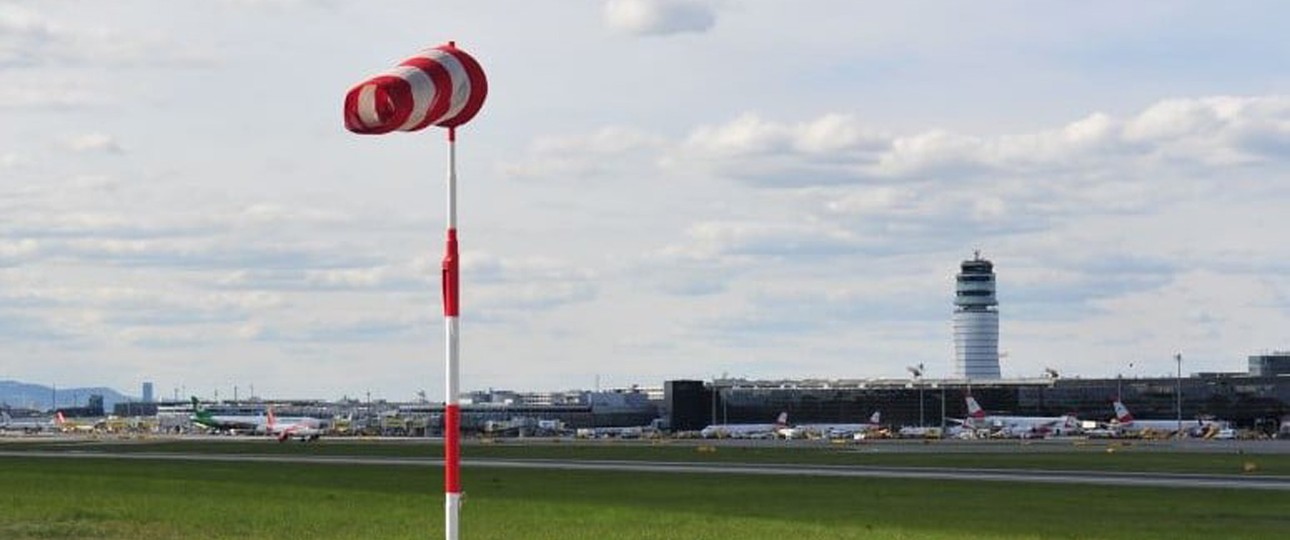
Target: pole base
(451,515)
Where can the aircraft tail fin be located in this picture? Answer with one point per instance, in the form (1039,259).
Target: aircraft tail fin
(4,417)
(272,419)
(974,409)
(200,415)
(782,419)
(876,418)
(1122,414)
(61,419)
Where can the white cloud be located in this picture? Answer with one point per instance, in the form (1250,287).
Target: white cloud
(269,214)
(13,252)
(9,161)
(125,297)
(659,17)
(511,284)
(838,149)
(603,152)
(22,30)
(94,142)
(708,240)
(659,216)
(103,314)
(30,39)
(276,3)
(28,93)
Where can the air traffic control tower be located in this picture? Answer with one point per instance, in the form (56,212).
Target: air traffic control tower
(976,321)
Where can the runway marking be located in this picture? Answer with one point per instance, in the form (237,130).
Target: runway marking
(1143,479)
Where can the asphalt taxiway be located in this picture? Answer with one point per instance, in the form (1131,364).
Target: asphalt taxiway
(1139,479)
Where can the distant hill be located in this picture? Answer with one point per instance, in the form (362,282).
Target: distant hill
(36,396)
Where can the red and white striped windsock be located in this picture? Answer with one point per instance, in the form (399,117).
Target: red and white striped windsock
(441,86)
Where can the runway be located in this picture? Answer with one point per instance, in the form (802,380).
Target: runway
(1123,479)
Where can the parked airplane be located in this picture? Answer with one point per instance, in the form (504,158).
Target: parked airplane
(1126,424)
(7,423)
(618,432)
(76,425)
(228,422)
(1019,426)
(302,429)
(832,431)
(745,431)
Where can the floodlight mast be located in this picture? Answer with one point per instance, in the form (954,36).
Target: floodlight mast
(451,312)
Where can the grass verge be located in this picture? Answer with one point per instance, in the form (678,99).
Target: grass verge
(110,499)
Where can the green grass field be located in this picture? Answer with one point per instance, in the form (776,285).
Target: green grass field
(110,499)
(1092,457)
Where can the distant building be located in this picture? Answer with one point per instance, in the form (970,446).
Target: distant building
(685,405)
(147,392)
(1270,365)
(976,322)
(93,408)
(1248,402)
(128,409)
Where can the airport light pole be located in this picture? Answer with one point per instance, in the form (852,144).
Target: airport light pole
(942,406)
(725,412)
(1178,393)
(917,372)
(714,401)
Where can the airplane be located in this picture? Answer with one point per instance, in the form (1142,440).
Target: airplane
(832,431)
(1125,423)
(745,431)
(622,432)
(1024,427)
(74,425)
(227,422)
(303,429)
(7,423)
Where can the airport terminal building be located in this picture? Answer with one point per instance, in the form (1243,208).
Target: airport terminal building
(1257,399)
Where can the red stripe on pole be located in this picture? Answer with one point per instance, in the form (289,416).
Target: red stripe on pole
(451,448)
(451,308)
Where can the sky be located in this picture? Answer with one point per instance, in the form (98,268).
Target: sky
(655,189)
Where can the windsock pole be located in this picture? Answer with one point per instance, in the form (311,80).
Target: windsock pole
(451,408)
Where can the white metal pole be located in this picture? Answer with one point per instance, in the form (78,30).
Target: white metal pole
(1178,394)
(451,312)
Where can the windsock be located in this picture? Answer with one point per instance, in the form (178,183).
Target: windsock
(441,86)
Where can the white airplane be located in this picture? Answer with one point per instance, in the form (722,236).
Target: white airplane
(1019,426)
(832,431)
(303,429)
(300,428)
(74,425)
(1125,423)
(228,422)
(745,431)
(7,423)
